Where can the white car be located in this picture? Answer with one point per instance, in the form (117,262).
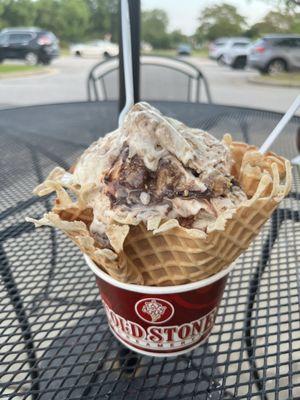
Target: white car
(236,55)
(216,48)
(220,47)
(95,48)
(146,47)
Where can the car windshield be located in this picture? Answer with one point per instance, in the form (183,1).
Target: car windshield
(184,46)
(220,43)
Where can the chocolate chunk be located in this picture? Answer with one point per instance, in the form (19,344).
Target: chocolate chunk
(195,173)
(195,194)
(186,222)
(234,182)
(133,173)
(167,176)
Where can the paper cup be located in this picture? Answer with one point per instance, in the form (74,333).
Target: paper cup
(161,321)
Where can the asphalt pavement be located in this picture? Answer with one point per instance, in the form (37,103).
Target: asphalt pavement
(231,87)
(67,82)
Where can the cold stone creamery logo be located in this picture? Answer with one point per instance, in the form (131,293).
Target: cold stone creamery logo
(154,310)
(173,337)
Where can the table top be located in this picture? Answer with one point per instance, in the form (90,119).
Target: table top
(54,339)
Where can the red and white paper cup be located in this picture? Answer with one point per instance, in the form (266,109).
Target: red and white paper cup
(161,321)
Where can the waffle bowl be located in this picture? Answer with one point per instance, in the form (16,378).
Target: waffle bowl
(249,165)
(172,254)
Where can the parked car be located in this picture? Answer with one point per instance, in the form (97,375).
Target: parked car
(146,47)
(236,54)
(34,45)
(184,49)
(221,46)
(216,48)
(275,53)
(95,48)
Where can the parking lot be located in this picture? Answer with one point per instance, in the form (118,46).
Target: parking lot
(232,87)
(67,82)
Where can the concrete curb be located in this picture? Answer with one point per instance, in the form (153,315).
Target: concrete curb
(258,81)
(25,74)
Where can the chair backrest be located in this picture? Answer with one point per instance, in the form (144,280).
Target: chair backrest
(162,78)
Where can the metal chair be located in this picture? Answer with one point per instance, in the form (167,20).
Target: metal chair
(158,75)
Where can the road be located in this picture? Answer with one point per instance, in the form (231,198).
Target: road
(67,82)
(232,87)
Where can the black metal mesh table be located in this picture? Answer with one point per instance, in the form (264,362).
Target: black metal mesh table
(54,339)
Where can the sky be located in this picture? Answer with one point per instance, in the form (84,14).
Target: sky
(183,14)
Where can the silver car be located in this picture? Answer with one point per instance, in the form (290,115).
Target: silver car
(274,54)
(220,47)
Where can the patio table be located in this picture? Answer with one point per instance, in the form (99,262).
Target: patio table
(54,338)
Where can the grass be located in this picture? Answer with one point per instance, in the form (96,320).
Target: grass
(200,53)
(284,79)
(12,68)
(64,51)
(163,52)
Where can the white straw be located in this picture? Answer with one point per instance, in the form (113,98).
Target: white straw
(296,160)
(127,58)
(280,126)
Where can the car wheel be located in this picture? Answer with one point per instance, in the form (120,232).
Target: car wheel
(221,60)
(277,66)
(31,58)
(239,63)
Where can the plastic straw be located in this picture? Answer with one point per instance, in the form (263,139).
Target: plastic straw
(127,57)
(280,126)
(296,160)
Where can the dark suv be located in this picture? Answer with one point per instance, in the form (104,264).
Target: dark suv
(33,45)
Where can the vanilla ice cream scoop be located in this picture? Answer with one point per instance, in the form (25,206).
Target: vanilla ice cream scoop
(153,169)
(152,138)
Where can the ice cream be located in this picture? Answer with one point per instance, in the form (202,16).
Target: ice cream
(155,172)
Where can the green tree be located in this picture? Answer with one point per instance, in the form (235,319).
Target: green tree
(278,22)
(104,18)
(176,37)
(154,28)
(219,20)
(2,20)
(47,15)
(274,22)
(73,19)
(17,13)
(68,19)
(295,25)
